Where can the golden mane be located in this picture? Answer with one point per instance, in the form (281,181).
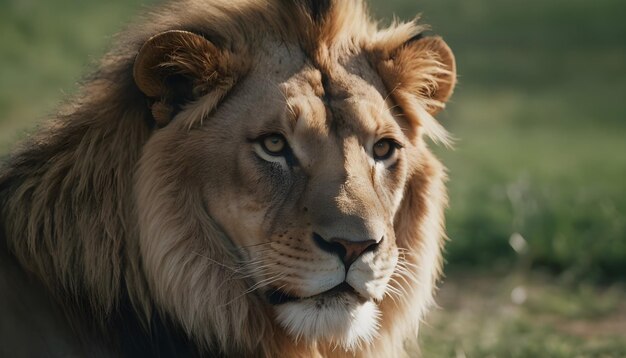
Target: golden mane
(67,197)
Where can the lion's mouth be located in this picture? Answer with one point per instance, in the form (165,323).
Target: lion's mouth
(277,296)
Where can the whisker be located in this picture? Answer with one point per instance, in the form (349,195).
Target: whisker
(251,289)
(221,264)
(256,245)
(405,275)
(387,97)
(265,282)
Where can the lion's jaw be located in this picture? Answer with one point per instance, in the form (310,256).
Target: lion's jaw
(343,320)
(347,315)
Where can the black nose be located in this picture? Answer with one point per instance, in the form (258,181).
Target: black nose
(347,250)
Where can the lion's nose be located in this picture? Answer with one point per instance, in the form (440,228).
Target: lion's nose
(347,250)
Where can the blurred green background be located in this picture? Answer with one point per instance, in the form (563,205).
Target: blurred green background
(537,257)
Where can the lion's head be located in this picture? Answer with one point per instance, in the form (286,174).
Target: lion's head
(276,195)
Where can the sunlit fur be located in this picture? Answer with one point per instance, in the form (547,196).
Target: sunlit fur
(187,222)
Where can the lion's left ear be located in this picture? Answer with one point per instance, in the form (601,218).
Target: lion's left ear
(175,67)
(423,67)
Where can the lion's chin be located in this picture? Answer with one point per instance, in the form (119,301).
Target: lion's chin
(345,320)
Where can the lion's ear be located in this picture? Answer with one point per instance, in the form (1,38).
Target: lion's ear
(423,67)
(175,67)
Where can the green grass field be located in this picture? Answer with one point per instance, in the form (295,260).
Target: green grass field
(525,316)
(539,162)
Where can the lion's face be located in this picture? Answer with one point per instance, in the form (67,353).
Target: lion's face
(305,180)
(302,168)
(308,187)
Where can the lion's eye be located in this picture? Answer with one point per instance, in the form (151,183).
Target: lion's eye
(274,148)
(384,149)
(274,144)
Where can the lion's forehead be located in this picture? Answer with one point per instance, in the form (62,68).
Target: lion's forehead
(323,112)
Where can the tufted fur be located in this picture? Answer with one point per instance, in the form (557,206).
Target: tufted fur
(138,211)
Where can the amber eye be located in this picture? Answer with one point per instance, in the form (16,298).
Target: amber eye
(274,144)
(384,149)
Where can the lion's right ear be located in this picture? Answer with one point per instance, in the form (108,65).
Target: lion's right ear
(176,67)
(422,67)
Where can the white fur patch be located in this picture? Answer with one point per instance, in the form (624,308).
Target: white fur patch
(342,321)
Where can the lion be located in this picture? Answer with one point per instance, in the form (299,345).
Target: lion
(238,178)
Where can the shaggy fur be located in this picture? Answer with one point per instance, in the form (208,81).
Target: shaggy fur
(107,205)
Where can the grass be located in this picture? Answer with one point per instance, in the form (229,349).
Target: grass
(47,46)
(537,174)
(513,315)
(560,187)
